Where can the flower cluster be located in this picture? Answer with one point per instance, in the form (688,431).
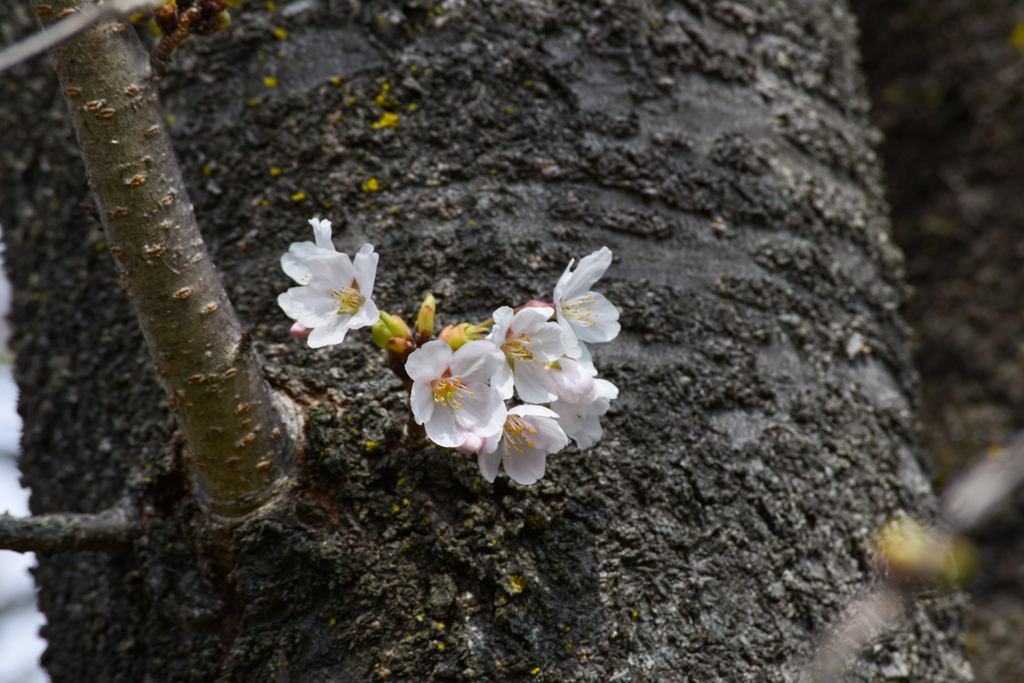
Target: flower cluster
(460,383)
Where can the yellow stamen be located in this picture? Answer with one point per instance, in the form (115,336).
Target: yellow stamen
(449,392)
(347,300)
(513,436)
(579,309)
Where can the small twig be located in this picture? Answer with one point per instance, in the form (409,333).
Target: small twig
(108,531)
(74,24)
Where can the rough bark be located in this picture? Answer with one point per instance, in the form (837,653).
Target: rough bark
(764,427)
(945,78)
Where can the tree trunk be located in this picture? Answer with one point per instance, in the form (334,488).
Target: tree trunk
(764,427)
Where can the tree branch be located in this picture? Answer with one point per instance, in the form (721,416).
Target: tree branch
(108,531)
(40,42)
(236,449)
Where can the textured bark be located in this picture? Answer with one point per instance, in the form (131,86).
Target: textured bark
(763,430)
(109,531)
(237,450)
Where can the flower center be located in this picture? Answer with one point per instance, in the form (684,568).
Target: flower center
(579,310)
(518,349)
(346,300)
(450,391)
(517,435)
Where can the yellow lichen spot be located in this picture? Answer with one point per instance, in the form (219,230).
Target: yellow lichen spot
(994,451)
(332,622)
(254,101)
(518,583)
(412,107)
(421,615)
(440,625)
(400,481)
(394,209)
(276,171)
(634,613)
(371,185)
(298,196)
(270,6)
(154,27)
(535,671)
(171,118)
(382,97)
(472,223)
(327,205)
(413,68)
(207,170)
(270,82)
(654,25)
(264,202)
(387,120)
(281,33)
(370,445)
(395,507)
(351,100)
(336,81)
(510,110)
(440,646)
(136,18)
(494,171)
(1017,36)
(380,18)
(405,501)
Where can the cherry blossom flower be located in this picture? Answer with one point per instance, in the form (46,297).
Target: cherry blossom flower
(573,381)
(334,292)
(583,315)
(449,395)
(582,421)
(529,434)
(528,341)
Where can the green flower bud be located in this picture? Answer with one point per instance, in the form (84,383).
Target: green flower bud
(425,319)
(223,18)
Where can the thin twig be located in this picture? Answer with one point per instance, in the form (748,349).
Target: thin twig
(973,498)
(108,531)
(72,25)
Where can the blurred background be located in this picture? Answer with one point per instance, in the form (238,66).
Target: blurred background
(20,644)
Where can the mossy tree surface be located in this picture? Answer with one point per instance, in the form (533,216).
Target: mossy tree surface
(763,428)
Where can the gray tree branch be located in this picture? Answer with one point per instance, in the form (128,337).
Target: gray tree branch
(237,451)
(108,531)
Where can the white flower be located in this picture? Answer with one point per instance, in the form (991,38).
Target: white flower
(449,395)
(584,315)
(529,434)
(582,420)
(334,296)
(573,381)
(528,341)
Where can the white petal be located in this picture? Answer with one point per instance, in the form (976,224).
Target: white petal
(502,381)
(489,463)
(570,417)
(502,320)
(429,362)
(476,361)
(546,342)
(539,411)
(534,383)
(364,267)
(604,318)
(322,234)
(310,307)
(549,437)
(572,345)
(366,315)
(442,430)
(332,333)
(526,467)
(585,360)
(589,271)
(563,283)
(529,319)
(590,432)
(421,400)
(330,268)
(471,444)
(605,389)
(293,263)
(572,381)
(482,411)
